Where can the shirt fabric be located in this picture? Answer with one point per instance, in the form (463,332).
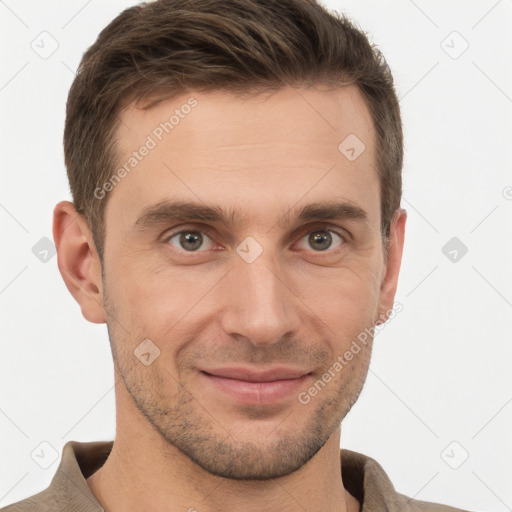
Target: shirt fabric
(68,491)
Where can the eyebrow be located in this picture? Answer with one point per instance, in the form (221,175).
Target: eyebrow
(168,211)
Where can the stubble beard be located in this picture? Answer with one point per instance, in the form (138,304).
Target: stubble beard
(185,424)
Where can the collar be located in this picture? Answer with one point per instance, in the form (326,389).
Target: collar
(362,476)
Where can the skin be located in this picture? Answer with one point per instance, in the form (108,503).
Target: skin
(180,442)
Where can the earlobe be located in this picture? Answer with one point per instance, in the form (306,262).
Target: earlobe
(393,263)
(78,260)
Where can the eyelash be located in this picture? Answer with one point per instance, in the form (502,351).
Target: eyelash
(324,227)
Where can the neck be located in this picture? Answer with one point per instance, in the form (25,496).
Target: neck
(143,472)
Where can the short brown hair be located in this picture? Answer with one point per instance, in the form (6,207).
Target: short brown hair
(166,47)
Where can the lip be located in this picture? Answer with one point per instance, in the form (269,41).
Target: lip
(249,386)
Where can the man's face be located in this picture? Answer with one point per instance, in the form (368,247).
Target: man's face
(247,313)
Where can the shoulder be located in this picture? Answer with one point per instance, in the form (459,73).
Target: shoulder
(406,504)
(42,501)
(367,481)
(68,489)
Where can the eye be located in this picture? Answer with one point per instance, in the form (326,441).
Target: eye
(189,240)
(321,239)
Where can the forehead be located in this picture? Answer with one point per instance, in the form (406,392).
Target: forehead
(258,155)
(299,114)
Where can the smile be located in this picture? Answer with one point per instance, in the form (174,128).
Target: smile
(252,387)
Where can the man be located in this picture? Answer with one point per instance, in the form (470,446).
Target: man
(236,176)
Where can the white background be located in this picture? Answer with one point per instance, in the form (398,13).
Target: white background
(440,370)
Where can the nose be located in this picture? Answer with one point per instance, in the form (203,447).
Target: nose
(258,302)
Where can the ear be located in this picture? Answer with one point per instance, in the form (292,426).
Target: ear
(393,262)
(78,260)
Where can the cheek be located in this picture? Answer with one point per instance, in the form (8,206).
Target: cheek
(342,304)
(155,300)
(350,290)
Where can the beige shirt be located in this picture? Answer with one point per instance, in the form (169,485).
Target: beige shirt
(68,491)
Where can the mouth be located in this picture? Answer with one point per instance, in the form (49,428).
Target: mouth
(248,386)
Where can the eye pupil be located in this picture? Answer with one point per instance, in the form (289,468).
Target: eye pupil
(193,237)
(191,241)
(323,237)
